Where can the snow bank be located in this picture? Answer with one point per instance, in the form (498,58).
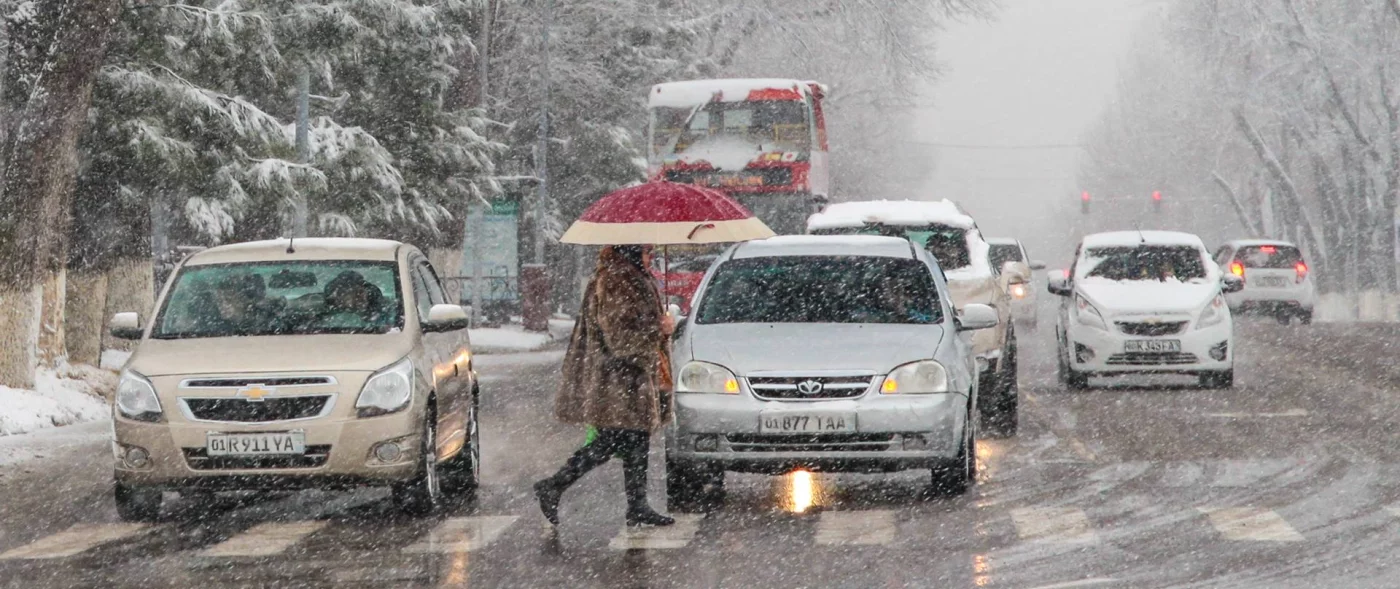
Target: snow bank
(890,212)
(1371,306)
(68,395)
(513,338)
(114,359)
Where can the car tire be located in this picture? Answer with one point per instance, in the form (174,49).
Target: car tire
(954,477)
(1000,418)
(1305,318)
(137,504)
(422,495)
(1071,378)
(1282,317)
(1223,379)
(461,476)
(692,487)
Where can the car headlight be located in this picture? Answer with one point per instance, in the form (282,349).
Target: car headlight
(136,398)
(916,378)
(387,391)
(1088,315)
(703,377)
(1213,314)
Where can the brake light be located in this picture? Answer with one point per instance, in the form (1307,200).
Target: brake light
(1302,269)
(1268,249)
(1237,269)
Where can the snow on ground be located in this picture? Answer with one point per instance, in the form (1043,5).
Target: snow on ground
(114,359)
(62,396)
(513,338)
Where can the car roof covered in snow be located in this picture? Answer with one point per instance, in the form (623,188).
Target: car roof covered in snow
(1003,240)
(1134,238)
(826,245)
(891,212)
(1253,242)
(310,248)
(697,92)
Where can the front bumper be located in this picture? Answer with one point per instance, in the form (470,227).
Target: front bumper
(893,432)
(1096,351)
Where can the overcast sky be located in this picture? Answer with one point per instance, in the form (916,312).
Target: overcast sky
(1038,73)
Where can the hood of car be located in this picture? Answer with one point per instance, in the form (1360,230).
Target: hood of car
(269,354)
(1146,297)
(747,347)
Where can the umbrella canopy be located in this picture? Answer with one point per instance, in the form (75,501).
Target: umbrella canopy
(662,213)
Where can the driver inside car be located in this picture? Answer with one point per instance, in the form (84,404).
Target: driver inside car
(351,301)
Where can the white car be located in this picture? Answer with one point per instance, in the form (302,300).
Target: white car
(1139,302)
(1277,280)
(1009,251)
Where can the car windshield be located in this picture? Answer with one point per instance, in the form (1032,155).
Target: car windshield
(947,244)
(776,125)
(1146,262)
(821,289)
(1002,253)
(282,298)
(1269,256)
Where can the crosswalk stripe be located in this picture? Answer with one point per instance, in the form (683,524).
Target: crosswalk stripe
(1053,524)
(1250,524)
(870,527)
(1246,473)
(74,540)
(463,534)
(671,537)
(264,539)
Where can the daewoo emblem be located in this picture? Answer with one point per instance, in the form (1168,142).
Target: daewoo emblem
(810,387)
(254,392)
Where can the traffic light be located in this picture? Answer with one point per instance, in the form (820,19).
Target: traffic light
(1084,203)
(1157,201)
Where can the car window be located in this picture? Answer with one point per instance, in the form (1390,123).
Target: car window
(1003,253)
(281,298)
(1146,262)
(821,289)
(1269,256)
(947,244)
(436,294)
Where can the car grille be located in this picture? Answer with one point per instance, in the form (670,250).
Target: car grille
(1151,359)
(281,381)
(1151,329)
(810,387)
(269,409)
(314,457)
(810,443)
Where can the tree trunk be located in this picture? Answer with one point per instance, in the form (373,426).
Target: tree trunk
(40,171)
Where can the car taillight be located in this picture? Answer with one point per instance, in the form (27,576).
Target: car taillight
(1237,269)
(1302,269)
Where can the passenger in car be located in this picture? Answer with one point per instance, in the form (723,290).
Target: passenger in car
(351,301)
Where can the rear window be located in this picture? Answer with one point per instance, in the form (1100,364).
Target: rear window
(1146,262)
(1269,256)
(821,289)
(1003,253)
(947,244)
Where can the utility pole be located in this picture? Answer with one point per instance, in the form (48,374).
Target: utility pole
(303,146)
(534,277)
(474,225)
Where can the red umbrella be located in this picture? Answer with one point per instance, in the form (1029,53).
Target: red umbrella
(662,213)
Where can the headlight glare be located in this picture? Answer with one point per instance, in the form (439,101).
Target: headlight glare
(388,391)
(136,398)
(704,377)
(916,378)
(1086,314)
(1213,314)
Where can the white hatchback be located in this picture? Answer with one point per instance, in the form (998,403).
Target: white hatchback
(1139,302)
(1277,280)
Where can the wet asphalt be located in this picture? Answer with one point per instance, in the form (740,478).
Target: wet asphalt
(1292,479)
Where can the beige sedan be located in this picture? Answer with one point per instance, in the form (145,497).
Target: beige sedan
(322,363)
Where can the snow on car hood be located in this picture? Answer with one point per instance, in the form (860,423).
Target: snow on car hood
(749,347)
(1146,297)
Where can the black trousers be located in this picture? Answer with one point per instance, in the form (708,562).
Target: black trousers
(633,446)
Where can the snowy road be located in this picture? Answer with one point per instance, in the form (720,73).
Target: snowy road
(1290,480)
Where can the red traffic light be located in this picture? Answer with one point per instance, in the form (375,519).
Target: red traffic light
(1084,197)
(1157,195)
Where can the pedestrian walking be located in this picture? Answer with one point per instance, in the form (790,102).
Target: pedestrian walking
(616,378)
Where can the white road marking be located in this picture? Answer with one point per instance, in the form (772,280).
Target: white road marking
(73,540)
(1247,473)
(1053,524)
(463,534)
(1250,524)
(1181,474)
(670,537)
(848,528)
(1079,583)
(1288,413)
(1121,471)
(264,539)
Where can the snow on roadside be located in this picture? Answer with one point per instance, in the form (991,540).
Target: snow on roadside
(114,359)
(62,396)
(513,338)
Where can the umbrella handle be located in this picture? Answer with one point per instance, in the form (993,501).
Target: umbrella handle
(697,229)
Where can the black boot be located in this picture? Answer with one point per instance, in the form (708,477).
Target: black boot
(634,478)
(549,493)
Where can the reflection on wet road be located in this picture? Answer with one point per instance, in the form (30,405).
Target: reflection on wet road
(1290,480)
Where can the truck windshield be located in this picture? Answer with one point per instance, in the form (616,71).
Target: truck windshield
(821,289)
(769,125)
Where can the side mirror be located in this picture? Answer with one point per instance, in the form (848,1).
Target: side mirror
(443,318)
(1037,265)
(976,316)
(1231,283)
(125,326)
(1059,287)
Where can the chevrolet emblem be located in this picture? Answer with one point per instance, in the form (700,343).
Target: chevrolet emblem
(254,392)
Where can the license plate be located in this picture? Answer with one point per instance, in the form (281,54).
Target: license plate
(1152,346)
(255,444)
(1271,281)
(789,423)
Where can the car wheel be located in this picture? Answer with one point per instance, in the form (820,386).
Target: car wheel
(692,487)
(1218,380)
(462,475)
(137,504)
(422,494)
(1282,317)
(1305,318)
(1000,418)
(1075,380)
(954,477)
